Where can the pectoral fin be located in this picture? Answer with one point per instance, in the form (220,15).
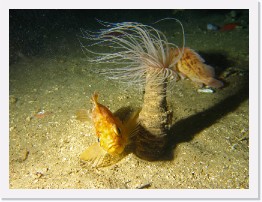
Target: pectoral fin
(98,157)
(82,115)
(94,154)
(132,124)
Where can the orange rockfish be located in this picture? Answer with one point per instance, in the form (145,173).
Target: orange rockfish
(113,135)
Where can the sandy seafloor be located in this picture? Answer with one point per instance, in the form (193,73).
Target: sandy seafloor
(211,131)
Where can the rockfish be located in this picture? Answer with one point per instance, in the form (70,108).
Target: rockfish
(113,134)
(192,66)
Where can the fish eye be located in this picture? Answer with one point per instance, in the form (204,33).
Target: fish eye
(118,131)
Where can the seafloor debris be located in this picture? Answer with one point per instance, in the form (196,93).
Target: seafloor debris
(13,99)
(244,135)
(212,27)
(42,114)
(144,186)
(230,71)
(230,26)
(23,155)
(205,90)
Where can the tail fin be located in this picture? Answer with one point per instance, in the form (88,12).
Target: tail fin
(214,83)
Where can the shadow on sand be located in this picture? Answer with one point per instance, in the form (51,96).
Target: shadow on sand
(185,129)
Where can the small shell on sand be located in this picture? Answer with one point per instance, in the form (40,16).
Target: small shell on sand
(42,114)
(13,99)
(205,90)
(23,155)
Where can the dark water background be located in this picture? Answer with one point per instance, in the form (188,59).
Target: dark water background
(32,30)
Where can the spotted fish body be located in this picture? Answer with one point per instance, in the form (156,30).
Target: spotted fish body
(192,66)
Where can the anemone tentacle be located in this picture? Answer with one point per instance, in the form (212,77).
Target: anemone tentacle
(131,48)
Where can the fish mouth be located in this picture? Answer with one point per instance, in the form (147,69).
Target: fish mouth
(112,147)
(115,149)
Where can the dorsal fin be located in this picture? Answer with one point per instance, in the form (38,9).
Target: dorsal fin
(95,98)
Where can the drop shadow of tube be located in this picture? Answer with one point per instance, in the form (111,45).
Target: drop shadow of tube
(185,129)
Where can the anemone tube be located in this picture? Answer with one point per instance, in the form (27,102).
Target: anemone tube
(140,55)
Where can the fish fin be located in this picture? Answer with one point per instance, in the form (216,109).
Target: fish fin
(112,159)
(209,70)
(132,124)
(214,83)
(95,98)
(98,157)
(82,115)
(182,76)
(93,154)
(123,113)
(193,54)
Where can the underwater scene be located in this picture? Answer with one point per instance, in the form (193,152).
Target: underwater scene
(129,99)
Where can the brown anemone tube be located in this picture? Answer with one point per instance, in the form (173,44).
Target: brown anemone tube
(154,122)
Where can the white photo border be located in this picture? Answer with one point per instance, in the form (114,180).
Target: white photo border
(251,193)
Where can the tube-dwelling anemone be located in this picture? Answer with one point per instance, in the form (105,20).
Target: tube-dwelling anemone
(140,55)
